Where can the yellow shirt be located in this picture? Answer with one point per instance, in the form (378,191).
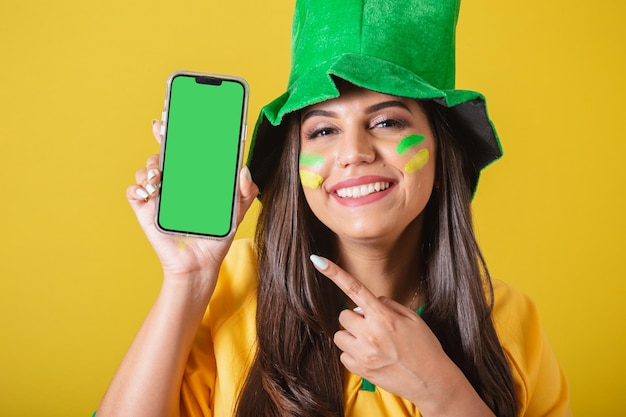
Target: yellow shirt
(224,347)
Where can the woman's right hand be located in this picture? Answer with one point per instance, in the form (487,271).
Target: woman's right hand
(191,266)
(181,256)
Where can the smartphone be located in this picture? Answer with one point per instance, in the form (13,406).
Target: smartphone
(203,132)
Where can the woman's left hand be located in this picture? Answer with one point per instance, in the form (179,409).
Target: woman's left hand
(393,348)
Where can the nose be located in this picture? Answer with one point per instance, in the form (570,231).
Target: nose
(355,148)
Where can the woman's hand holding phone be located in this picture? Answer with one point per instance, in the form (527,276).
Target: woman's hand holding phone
(191,266)
(182,256)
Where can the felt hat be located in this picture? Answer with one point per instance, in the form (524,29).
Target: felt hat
(404,48)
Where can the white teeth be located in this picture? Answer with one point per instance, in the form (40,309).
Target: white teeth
(362,190)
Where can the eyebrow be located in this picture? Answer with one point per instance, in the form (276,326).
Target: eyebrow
(314,113)
(371,109)
(387,104)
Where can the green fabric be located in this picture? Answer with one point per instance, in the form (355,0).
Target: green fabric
(367,386)
(399,47)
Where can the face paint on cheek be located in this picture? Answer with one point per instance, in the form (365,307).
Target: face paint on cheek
(312,160)
(409,142)
(309,178)
(417,162)
(421,157)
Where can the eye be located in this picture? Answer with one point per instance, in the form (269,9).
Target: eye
(318,132)
(390,123)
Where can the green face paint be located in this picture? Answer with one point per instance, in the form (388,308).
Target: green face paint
(308,178)
(409,142)
(418,161)
(421,157)
(311,159)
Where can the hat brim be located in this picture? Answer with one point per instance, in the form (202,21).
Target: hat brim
(466,110)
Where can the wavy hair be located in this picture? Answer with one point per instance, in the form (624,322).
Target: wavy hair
(296,370)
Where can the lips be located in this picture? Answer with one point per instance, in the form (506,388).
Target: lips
(361,190)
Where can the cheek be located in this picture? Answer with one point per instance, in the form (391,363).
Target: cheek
(417,157)
(409,143)
(417,162)
(310,179)
(310,164)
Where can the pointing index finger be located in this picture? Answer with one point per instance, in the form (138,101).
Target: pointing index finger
(351,286)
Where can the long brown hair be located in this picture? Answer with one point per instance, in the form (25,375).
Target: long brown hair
(458,311)
(296,370)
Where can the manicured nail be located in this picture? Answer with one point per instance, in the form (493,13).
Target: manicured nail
(151,189)
(319,262)
(357,309)
(142,193)
(152,173)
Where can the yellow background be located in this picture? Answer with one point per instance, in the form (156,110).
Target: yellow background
(80,82)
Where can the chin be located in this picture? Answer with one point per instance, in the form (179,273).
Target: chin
(364,232)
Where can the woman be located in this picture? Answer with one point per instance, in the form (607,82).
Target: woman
(365,293)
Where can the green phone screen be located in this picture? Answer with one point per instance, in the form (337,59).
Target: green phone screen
(201,154)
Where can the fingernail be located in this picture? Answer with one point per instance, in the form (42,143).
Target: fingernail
(246,173)
(154,121)
(142,193)
(151,189)
(357,309)
(152,173)
(319,262)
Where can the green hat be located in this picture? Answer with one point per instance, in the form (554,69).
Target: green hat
(404,48)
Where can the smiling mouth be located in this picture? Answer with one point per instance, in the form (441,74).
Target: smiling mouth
(362,190)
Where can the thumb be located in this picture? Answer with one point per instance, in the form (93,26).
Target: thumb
(248,191)
(156,130)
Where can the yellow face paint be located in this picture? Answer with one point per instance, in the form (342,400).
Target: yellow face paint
(417,162)
(310,179)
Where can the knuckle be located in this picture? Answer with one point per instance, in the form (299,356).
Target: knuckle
(355,287)
(372,344)
(388,323)
(370,357)
(140,174)
(345,359)
(342,314)
(152,161)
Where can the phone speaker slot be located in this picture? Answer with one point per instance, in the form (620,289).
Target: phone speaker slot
(208,80)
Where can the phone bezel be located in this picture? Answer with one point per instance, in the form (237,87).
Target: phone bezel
(240,150)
